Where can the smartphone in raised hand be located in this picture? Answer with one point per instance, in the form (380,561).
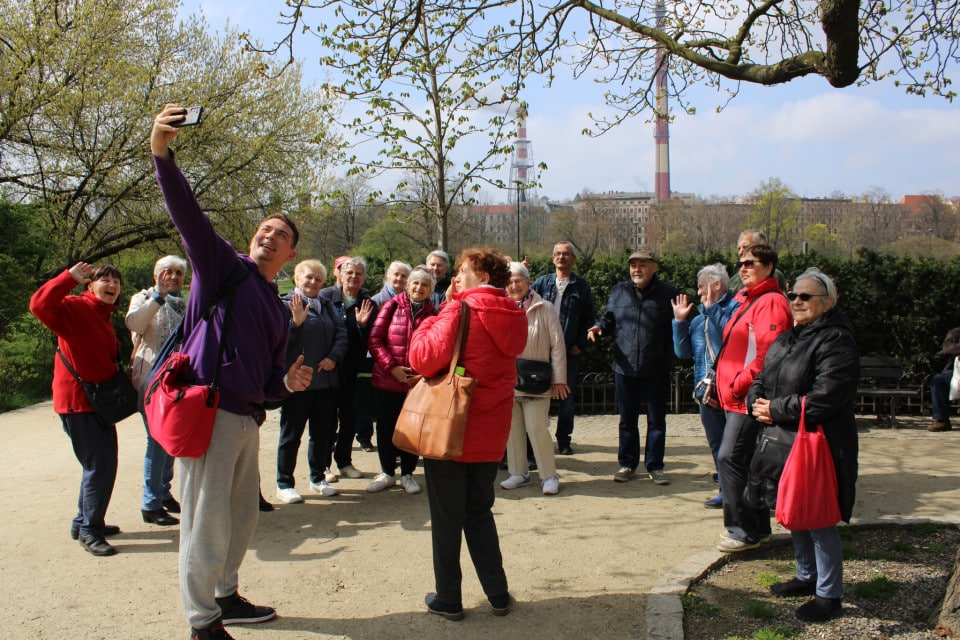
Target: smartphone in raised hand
(191,117)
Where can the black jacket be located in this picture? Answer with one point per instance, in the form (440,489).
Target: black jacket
(819,361)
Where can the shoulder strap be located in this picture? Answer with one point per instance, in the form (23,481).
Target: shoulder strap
(735,321)
(236,276)
(73,371)
(461,337)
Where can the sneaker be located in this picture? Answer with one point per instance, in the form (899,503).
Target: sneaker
(448,611)
(323,488)
(515,482)
(409,484)
(214,632)
(500,604)
(819,609)
(716,502)
(236,609)
(940,425)
(623,474)
(351,472)
(330,476)
(659,477)
(289,496)
(793,587)
(550,487)
(380,482)
(732,545)
(367,446)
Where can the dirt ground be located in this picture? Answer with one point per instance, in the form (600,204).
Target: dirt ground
(357,565)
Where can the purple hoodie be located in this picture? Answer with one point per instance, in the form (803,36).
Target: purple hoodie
(256,341)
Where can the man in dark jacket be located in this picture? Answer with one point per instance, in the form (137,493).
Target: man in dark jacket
(572,297)
(940,384)
(640,313)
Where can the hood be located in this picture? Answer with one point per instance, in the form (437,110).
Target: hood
(499,315)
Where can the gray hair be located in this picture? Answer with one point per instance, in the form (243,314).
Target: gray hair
(169,262)
(396,264)
(573,247)
(759,237)
(439,254)
(356,261)
(421,273)
(519,269)
(715,273)
(815,274)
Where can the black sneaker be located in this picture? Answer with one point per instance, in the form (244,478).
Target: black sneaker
(214,632)
(448,611)
(793,587)
(236,609)
(820,609)
(367,446)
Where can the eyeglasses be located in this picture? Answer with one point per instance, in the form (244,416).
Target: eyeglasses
(557,254)
(805,297)
(749,264)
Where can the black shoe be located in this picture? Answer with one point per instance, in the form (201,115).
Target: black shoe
(171,505)
(214,632)
(565,450)
(448,611)
(367,446)
(97,546)
(236,609)
(793,587)
(819,609)
(265,506)
(108,530)
(159,517)
(500,604)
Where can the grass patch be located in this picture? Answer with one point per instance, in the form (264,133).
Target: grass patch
(696,606)
(774,633)
(759,610)
(764,579)
(937,546)
(876,587)
(925,528)
(901,548)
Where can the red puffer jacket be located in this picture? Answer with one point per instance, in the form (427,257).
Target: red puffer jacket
(86,338)
(390,339)
(497,335)
(749,333)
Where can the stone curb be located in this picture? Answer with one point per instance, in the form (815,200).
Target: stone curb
(664,610)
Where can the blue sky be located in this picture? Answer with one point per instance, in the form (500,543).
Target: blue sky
(816,139)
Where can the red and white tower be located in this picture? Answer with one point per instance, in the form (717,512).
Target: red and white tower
(521,162)
(661,188)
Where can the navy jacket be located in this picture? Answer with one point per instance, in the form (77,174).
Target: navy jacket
(577,311)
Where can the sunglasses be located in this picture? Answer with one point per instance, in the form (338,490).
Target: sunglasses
(805,297)
(748,264)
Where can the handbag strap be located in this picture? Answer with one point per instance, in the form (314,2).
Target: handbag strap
(238,273)
(461,337)
(73,371)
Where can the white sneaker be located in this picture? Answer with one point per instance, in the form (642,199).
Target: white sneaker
(514,482)
(409,484)
(380,482)
(289,496)
(330,476)
(551,485)
(323,488)
(351,472)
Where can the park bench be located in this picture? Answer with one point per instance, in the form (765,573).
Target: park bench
(880,379)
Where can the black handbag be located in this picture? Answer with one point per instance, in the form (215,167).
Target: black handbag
(766,465)
(113,400)
(533,376)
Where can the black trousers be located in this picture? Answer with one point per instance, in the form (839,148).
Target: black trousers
(389,404)
(461,497)
(95,447)
(342,440)
(319,408)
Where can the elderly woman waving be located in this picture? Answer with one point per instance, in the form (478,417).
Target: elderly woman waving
(816,360)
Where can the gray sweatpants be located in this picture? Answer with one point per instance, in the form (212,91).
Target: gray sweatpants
(219,503)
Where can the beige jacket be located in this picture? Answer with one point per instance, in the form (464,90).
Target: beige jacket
(544,341)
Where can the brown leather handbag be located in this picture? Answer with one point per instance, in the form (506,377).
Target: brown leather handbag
(433,419)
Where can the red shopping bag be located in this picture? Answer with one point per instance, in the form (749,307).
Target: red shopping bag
(808,496)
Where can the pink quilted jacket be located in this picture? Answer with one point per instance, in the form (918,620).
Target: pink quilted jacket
(390,339)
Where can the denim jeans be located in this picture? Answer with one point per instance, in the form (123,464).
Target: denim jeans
(157,473)
(95,447)
(565,411)
(736,449)
(713,421)
(940,395)
(819,554)
(631,393)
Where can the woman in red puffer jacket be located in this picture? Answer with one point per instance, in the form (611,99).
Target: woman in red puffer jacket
(461,491)
(392,375)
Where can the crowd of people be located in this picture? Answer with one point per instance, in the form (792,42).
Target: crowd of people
(760,352)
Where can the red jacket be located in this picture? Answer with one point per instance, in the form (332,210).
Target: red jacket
(747,340)
(85,334)
(497,335)
(390,339)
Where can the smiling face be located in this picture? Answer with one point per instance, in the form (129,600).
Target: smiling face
(310,281)
(171,278)
(641,272)
(352,276)
(106,288)
(272,246)
(752,271)
(518,287)
(816,306)
(420,289)
(397,278)
(437,266)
